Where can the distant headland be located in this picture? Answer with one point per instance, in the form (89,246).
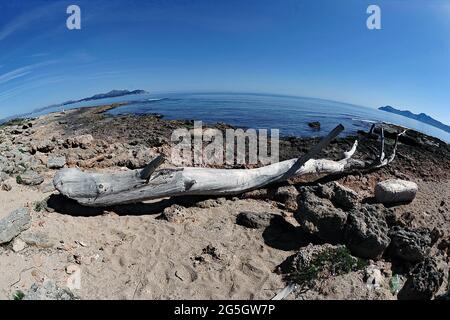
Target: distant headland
(422,117)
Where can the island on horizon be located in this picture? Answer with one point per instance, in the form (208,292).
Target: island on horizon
(422,117)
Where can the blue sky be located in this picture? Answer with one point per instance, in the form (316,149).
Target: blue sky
(316,48)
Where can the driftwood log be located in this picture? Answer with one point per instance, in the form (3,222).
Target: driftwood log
(104,189)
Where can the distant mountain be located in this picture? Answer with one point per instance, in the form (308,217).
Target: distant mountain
(111,94)
(422,117)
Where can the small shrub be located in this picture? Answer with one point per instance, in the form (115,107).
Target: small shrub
(329,262)
(18,295)
(19,180)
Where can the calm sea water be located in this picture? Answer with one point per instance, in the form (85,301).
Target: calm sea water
(288,114)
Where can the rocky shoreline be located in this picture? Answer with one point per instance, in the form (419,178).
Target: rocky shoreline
(328,235)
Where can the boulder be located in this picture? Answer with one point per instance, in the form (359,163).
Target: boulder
(395,191)
(409,245)
(30,178)
(56,162)
(13,224)
(423,282)
(254,220)
(366,232)
(320,217)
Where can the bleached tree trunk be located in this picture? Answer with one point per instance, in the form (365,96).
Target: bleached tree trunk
(103,189)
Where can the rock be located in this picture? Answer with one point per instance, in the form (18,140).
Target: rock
(314,125)
(3,177)
(409,245)
(374,278)
(320,217)
(366,232)
(287,195)
(175,214)
(30,178)
(49,290)
(18,245)
(56,162)
(47,187)
(6,186)
(344,197)
(318,262)
(395,191)
(44,146)
(13,224)
(423,282)
(82,141)
(254,220)
(37,239)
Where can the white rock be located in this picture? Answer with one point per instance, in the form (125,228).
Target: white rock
(395,190)
(374,277)
(18,245)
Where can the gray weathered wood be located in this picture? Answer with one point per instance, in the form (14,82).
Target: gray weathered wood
(107,189)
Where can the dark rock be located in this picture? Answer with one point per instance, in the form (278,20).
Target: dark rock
(366,232)
(314,125)
(320,217)
(340,196)
(30,178)
(254,220)
(409,245)
(318,262)
(13,224)
(423,282)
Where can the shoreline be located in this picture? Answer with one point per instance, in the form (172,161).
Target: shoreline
(151,245)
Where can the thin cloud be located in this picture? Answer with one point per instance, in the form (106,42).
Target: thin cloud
(23,71)
(26,19)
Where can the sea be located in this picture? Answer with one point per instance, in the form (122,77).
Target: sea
(290,115)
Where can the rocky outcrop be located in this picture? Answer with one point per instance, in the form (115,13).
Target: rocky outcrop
(395,191)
